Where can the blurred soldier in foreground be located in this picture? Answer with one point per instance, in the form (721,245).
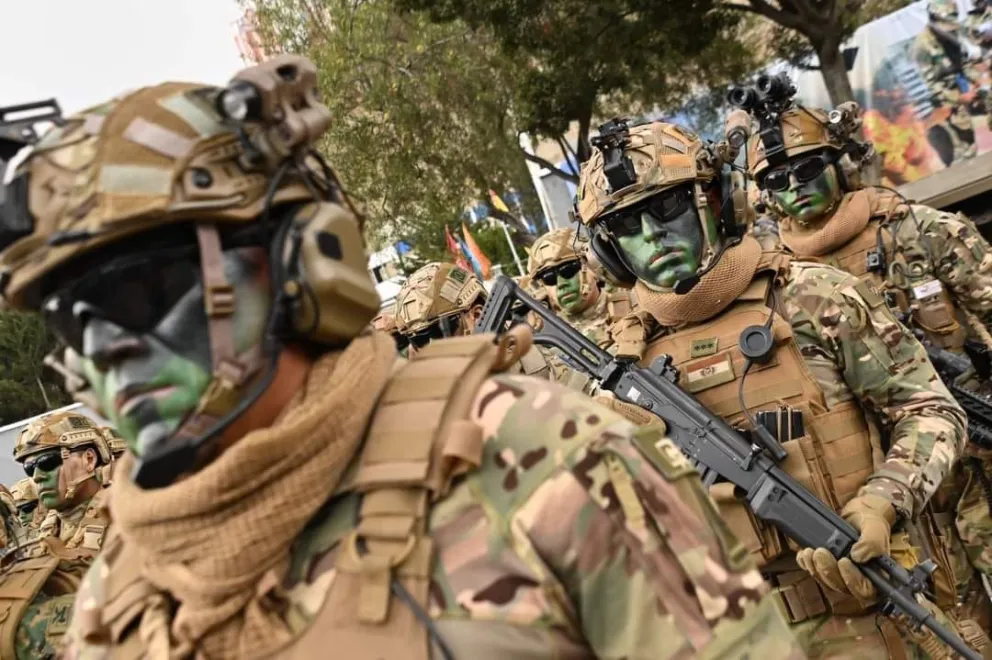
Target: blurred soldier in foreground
(930,266)
(63,454)
(291,490)
(820,348)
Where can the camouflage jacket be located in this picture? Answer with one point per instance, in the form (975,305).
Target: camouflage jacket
(856,350)
(565,542)
(46,619)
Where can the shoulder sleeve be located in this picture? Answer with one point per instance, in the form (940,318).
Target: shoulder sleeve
(648,567)
(960,257)
(850,337)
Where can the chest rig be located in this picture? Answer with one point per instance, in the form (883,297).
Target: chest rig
(44,566)
(420,438)
(903,271)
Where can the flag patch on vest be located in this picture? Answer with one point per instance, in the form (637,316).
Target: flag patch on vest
(703,347)
(709,372)
(927,289)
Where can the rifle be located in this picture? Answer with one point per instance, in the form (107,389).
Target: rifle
(718,451)
(978,407)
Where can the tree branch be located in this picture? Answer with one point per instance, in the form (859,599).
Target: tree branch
(762,8)
(568,176)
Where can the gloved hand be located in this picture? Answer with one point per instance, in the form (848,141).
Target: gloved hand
(873,516)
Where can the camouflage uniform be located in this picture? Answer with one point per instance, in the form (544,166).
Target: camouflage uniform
(948,78)
(40,619)
(933,268)
(29,509)
(11,528)
(438,300)
(565,531)
(837,351)
(560,247)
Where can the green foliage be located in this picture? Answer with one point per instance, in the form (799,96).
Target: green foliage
(590,58)
(421,129)
(24,342)
(492,241)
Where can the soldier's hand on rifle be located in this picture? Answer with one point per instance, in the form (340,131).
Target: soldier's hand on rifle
(873,516)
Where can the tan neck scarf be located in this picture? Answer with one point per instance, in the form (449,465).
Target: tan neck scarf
(849,220)
(715,291)
(209,539)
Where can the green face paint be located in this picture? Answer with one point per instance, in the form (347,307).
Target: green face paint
(807,202)
(664,252)
(25,516)
(48,486)
(568,293)
(148,395)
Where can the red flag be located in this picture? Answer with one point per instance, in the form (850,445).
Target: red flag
(455,250)
(480,257)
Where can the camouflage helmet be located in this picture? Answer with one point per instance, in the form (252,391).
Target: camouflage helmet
(24,491)
(436,291)
(166,156)
(61,430)
(385,321)
(803,130)
(7,501)
(663,156)
(116,445)
(557,247)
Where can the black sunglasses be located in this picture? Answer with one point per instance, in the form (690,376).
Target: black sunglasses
(28,507)
(427,335)
(805,170)
(565,271)
(663,207)
(134,293)
(45,462)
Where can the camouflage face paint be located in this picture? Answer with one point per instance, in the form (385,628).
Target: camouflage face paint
(50,495)
(25,515)
(568,293)
(664,252)
(149,392)
(807,202)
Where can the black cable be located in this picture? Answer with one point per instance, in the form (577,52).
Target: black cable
(401,592)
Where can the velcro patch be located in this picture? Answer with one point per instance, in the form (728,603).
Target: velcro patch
(450,290)
(703,347)
(709,372)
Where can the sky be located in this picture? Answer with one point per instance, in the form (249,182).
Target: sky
(83,52)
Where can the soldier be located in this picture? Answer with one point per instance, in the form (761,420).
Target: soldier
(10,531)
(653,200)
(62,453)
(443,300)
(290,488)
(931,266)
(385,321)
(944,63)
(29,512)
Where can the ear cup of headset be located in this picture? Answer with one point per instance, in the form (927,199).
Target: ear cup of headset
(734,206)
(608,255)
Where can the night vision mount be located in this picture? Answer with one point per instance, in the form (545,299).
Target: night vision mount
(18,124)
(767,100)
(617,166)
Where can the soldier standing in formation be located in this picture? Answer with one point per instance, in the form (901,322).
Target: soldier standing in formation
(652,198)
(931,266)
(63,454)
(289,488)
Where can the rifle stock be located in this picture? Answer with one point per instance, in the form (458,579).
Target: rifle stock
(720,452)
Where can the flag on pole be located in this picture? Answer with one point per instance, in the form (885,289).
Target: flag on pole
(478,256)
(497,202)
(455,250)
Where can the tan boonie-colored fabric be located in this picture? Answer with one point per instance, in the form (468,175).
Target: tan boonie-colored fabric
(803,130)
(436,291)
(210,538)
(419,439)
(716,290)
(849,220)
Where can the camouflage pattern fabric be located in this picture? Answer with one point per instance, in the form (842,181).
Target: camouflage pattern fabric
(765,229)
(47,617)
(568,541)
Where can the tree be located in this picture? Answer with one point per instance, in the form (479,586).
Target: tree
(421,129)
(804,28)
(26,387)
(593,58)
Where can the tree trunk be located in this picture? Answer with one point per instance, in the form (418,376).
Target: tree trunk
(834,73)
(583,149)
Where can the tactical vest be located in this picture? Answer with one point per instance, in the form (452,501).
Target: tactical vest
(420,438)
(908,280)
(47,564)
(833,458)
